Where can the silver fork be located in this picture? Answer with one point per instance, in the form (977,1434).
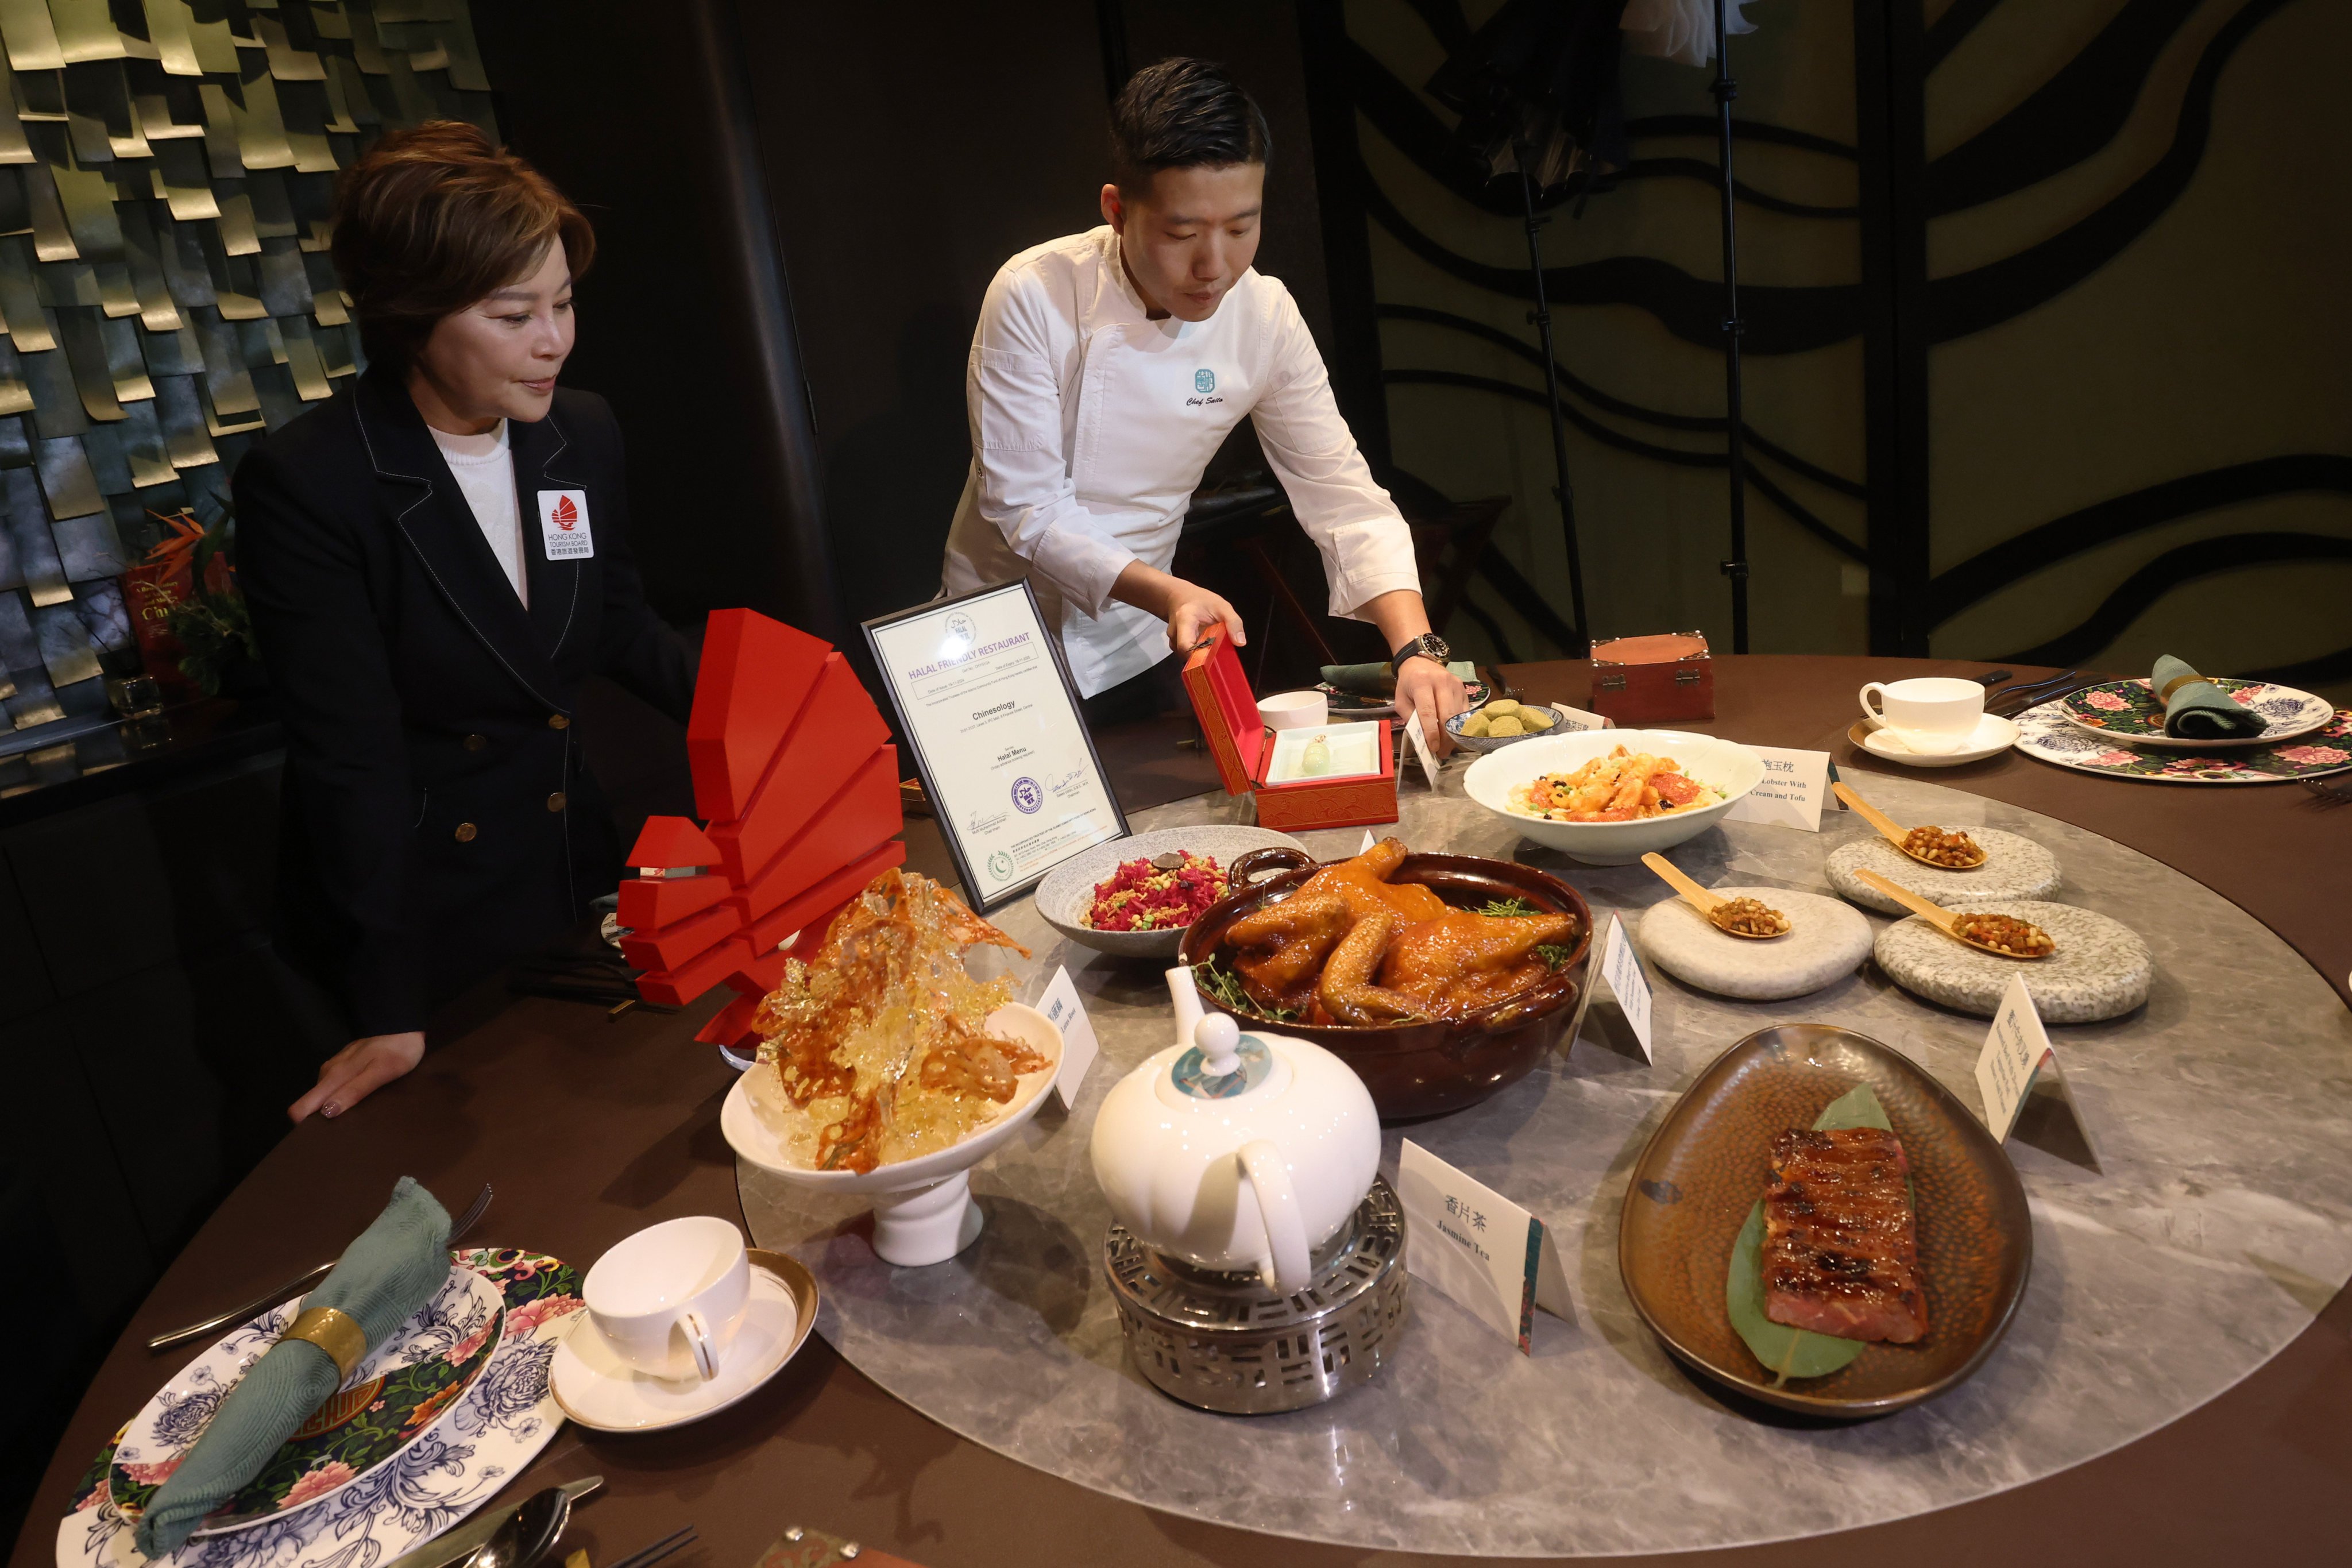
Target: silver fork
(464,1223)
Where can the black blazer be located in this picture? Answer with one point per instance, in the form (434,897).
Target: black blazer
(438,819)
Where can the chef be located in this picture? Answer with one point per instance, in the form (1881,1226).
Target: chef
(1107,369)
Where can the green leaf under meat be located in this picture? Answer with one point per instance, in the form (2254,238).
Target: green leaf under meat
(1792,1352)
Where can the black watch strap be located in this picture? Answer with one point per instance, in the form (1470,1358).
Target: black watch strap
(1429,644)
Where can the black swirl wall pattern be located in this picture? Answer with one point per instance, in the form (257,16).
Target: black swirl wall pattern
(2074,142)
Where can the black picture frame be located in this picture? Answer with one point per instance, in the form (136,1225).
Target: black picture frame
(923,770)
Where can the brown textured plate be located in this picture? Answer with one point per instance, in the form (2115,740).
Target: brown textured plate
(1709,1162)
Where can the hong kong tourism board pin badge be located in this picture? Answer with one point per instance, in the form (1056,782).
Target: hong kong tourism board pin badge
(563,525)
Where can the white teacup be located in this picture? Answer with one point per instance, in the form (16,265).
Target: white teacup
(1928,714)
(669,1299)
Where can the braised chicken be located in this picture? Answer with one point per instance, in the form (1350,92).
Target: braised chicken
(1352,947)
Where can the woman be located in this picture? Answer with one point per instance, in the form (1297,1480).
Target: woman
(436,561)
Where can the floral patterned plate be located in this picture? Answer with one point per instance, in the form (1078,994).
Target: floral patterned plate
(2127,711)
(398,1390)
(2049,733)
(454,1465)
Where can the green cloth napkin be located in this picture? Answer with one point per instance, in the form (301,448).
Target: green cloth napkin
(1379,679)
(2201,711)
(394,1268)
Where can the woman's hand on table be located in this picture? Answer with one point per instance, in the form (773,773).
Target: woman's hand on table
(358,1070)
(1427,687)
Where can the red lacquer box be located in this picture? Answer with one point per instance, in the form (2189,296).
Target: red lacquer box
(1244,749)
(1659,680)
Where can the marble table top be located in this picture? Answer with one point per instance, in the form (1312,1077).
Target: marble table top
(2214,1229)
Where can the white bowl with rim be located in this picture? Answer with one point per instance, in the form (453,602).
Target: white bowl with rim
(1708,760)
(923,1212)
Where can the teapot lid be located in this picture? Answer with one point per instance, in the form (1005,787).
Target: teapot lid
(1223,1063)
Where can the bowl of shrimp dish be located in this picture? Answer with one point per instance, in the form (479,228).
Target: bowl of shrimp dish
(1440,979)
(1608,797)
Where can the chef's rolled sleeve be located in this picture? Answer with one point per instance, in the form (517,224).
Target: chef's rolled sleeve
(1366,547)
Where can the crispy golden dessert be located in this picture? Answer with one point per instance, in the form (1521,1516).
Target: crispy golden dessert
(1506,717)
(1748,917)
(1942,849)
(1841,1254)
(1619,787)
(2020,939)
(1351,947)
(876,1048)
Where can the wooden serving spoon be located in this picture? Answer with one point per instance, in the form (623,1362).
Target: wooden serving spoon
(1705,902)
(1895,836)
(1944,920)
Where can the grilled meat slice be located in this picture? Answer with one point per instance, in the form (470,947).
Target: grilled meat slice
(1841,1254)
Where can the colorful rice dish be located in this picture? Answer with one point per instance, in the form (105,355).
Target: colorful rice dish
(1619,787)
(1140,896)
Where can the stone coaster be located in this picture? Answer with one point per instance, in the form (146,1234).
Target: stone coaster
(2014,868)
(1827,940)
(2101,970)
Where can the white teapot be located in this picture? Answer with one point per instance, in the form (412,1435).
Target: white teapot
(1235,1150)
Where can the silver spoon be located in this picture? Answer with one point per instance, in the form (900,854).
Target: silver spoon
(529,1535)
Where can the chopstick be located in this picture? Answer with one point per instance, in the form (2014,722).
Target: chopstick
(678,1540)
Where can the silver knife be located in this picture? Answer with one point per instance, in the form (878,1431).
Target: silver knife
(455,1543)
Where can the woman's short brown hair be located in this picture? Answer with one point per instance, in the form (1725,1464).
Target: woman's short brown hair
(432,218)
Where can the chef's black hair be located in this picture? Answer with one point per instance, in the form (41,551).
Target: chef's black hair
(1182,114)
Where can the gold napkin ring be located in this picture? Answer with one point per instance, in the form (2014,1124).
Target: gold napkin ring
(334,1330)
(2176,683)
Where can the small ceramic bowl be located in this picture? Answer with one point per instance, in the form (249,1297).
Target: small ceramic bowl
(1496,742)
(1069,888)
(1294,709)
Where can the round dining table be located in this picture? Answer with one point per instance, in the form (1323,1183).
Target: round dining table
(591,1127)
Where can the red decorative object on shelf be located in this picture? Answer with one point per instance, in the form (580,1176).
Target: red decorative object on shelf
(1654,680)
(799,786)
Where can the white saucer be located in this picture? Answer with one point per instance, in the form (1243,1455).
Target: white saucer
(601,1391)
(1992,734)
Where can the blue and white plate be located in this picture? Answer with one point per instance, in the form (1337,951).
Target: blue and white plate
(505,1415)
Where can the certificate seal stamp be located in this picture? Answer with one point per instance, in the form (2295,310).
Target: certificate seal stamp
(999,865)
(1027,796)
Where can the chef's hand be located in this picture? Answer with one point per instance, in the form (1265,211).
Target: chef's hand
(358,1070)
(1190,610)
(1194,612)
(1427,687)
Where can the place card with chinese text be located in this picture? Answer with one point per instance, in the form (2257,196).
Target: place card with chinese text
(1615,963)
(2018,1055)
(1795,787)
(1419,739)
(1062,1007)
(1478,1247)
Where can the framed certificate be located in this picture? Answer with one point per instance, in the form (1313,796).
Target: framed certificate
(986,705)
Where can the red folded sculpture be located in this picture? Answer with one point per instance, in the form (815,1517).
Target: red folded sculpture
(799,790)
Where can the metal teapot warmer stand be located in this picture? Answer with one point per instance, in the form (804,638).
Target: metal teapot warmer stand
(1228,1343)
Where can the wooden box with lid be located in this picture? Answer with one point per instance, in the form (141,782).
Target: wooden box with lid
(1658,680)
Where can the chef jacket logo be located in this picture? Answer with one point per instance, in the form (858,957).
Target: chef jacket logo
(1204,381)
(1027,796)
(565,516)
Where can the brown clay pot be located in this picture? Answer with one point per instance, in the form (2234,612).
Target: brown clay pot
(1421,1069)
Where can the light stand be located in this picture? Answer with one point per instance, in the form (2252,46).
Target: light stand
(1726,89)
(1542,316)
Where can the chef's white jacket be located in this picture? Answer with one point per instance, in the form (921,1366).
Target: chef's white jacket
(1091,425)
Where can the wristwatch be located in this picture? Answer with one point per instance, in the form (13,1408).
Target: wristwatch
(1428,645)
